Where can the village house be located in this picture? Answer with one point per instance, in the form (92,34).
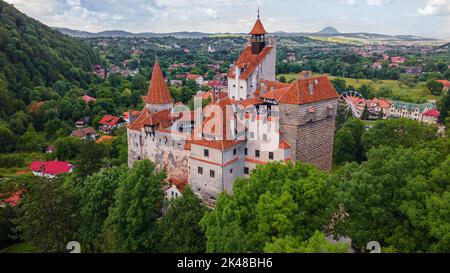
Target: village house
(413,70)
(80,123)
(87,134)
(446,85)
(258,121)
(431,116)
(108,123)
(377,106)
(10,199)
(50,169)
(414,111)
(197,78)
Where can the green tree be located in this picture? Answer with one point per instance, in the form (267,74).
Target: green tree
(97,198)
(138,204)
(386,196)
(316,244)
(7,139)
(31,141)
(180,228)
(48,214)
(91,158)
(397,132)
(365,114)
(277,201)
(67,148)
(348,146)
(435,87)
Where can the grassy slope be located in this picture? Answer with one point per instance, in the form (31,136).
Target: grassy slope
(19,248)
(416,93)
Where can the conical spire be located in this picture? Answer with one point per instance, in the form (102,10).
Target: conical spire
(158,93)
(258,28)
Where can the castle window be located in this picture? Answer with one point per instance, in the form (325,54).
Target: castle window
(231,171)
(257,154)
(265,137)
(246,151)
(212,173)
(200,170)
(246,170)
(206,152)
(271,156)
(234,152)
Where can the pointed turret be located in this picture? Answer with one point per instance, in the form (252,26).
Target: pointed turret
(258,39)
(158,96)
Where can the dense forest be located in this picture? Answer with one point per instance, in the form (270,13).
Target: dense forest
(34,57)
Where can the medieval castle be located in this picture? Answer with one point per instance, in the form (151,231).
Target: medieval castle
(256,121)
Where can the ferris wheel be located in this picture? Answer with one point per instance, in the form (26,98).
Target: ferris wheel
(353,103)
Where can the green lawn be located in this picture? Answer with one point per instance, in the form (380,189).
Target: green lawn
(13,162)
(417,93)
(19,248)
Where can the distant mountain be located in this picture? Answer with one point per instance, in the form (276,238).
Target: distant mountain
(121,33)
(328,31)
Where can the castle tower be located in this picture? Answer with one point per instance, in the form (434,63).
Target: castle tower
(256,62)
(258,39)
(158,97)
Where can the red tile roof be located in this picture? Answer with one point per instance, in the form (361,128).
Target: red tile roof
(270,85)
(51,167)
(249,61)
(158,92)
(446,83)
(105,139)
(180,184)
(162,118)
(109,120)
(248,102)
(221,145)
(381,103)
(193,77)
(87,98)
(432,113)
(304,91)
(258,28)
(284,145)
(13,199)
(134,113)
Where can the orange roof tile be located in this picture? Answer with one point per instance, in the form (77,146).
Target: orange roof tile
(180,184)
(258,28)
(158,92)
(304,91)
(221,145)
(249,61)
(163,119)
(284,145)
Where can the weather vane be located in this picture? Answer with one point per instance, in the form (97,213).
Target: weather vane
(258,12)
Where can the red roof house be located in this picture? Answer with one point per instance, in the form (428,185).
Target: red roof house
(12,199)
(50,168)
(446,84)
(88,99)
(108,123)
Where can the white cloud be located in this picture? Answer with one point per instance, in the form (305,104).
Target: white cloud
(435,7)
(377,2)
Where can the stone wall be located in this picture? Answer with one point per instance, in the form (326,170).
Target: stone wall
(309,129)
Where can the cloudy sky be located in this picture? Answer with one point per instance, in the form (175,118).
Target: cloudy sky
(419,17)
